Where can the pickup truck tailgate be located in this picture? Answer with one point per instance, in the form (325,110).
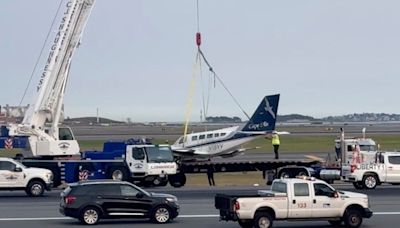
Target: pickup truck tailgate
(225,205)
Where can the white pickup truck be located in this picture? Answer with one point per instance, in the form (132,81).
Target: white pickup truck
(16,176)
(295,199)
(385,169)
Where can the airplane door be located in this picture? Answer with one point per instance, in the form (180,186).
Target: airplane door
(136,159)
(393,169)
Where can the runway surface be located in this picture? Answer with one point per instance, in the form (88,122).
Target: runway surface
(197,209)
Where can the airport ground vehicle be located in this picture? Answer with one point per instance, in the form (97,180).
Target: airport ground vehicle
(90,201)
(302,198)
(368,175)
(16,176)
(132,160)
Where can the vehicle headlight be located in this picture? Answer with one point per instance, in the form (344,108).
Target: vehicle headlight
(49,176)
(171,199)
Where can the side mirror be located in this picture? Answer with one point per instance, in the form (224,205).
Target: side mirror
(139,195)
(17,169)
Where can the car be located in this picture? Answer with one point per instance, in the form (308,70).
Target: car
(16,176)
(90,201)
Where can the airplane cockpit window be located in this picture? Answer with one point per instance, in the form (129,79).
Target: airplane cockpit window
(209,136)
(194,138)
(202,137)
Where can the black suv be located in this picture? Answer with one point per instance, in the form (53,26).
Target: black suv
(91,200)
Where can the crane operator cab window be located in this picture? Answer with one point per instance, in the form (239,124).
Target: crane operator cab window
(65,133)
(138,153)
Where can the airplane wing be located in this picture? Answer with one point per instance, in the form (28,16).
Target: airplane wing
(188,152)
(236,152)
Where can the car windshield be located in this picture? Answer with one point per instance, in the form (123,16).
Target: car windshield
(159,154)
(367,148)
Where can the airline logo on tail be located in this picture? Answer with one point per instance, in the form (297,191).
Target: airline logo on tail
(264,117)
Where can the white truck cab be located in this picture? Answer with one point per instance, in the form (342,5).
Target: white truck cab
(384,169)
(293,199)
(16,176)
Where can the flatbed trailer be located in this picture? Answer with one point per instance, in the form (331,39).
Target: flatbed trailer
(270,169)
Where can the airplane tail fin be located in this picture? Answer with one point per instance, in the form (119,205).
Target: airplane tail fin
(264,117)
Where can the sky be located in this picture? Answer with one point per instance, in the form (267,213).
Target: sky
(136,58)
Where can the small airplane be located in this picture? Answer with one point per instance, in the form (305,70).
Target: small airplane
(226,142)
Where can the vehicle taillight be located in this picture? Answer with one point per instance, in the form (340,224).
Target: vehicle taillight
(353,168)
(70,199)
(237,206)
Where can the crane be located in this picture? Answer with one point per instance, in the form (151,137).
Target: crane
(41,123)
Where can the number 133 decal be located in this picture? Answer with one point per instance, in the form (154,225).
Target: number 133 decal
(302,205)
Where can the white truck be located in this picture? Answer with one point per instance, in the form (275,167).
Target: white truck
(303,198)
(15,176)
(384,169)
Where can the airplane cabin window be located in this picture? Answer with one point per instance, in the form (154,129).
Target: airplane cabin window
(209,136)
(194,138)
(202,137)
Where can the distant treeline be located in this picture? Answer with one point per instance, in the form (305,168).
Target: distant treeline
(223,119)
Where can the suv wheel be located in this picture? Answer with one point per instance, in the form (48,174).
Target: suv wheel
(263,220)
(352,218)
(35,188)
(90,216)
(161,214)
(370,181)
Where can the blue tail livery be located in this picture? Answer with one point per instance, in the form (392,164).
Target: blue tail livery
(264,118)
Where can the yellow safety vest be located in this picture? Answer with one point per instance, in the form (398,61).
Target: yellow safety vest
(275,140)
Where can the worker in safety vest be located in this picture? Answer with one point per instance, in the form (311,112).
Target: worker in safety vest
(275,143)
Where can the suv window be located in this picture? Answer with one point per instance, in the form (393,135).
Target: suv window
(107,189)
(394,160)
(279,187)
(322,190)
(127,190)
(82,189)
(6,165)
(301,189)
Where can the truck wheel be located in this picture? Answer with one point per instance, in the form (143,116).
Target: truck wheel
(118,173)
(160,182)
(90,216)
(245,223)
(370,181)
(358,185)
(284,175)
(263,220)
(335,223)
(352,218)
(177,180)
(35,188)
(162,214)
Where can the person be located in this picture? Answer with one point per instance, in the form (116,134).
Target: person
(275,143)
(210,175)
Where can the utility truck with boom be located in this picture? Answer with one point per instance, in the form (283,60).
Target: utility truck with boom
(48,145)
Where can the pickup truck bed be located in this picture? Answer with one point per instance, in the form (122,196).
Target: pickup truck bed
(226,203)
